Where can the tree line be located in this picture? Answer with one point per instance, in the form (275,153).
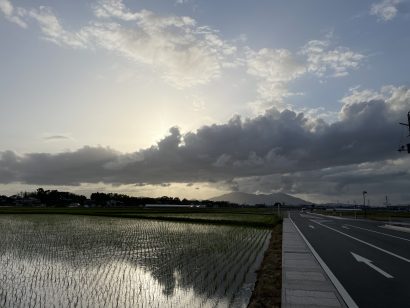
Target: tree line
(55,198)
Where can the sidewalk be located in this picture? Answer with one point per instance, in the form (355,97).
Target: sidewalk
(304,282)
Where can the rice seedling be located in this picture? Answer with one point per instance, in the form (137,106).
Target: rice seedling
(81,261)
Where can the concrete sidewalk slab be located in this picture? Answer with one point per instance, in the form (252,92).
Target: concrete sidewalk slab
(304,282)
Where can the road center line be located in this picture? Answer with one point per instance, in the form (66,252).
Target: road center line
(401,238)
(364,242)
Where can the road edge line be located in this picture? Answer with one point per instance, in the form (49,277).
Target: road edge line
(336,283)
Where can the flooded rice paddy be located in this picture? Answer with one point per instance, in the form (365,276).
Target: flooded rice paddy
(80,261)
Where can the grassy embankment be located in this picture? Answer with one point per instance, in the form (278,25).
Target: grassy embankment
(267,292)
(268,288)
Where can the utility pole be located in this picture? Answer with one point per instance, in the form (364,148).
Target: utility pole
(364,202)
(404,147)
(386,203)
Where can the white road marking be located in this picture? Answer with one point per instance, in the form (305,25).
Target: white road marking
(366,243)
(371,265)
(397,228)
(342,291)
(332,217)
(312,227)
(401,238)
(320,220)
(345,227)
(339,218)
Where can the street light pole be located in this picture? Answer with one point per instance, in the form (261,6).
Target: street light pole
(364,202)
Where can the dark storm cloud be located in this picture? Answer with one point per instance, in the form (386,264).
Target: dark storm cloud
(274,143)
(389,175)
(343,183)
(71,168)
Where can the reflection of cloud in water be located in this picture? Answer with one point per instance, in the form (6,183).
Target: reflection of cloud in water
(100,261)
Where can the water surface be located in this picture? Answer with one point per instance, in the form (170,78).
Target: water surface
(80,261)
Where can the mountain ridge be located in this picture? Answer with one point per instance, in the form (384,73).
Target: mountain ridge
(253,199)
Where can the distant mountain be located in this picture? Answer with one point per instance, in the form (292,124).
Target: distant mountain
(252,199)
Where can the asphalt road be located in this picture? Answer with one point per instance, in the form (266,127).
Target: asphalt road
(371,263)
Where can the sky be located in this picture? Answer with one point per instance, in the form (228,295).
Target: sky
(194,98)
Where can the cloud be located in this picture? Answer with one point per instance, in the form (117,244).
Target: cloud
(113,8)
(343,183)
(396,98)
(183,53)
(274,69)
(49,24)
(275,143)
(182,1)
(54,32)
(186,54)
(56,138)
(12,14)
(84,165)
(356,96)
(324,60)
(385,10)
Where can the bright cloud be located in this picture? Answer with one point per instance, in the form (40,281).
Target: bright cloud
(53,30)
(274,69)
(12,14)
(184,53)
(323,60)
(113,8)
(396,98)
(385,10)
(183,58)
